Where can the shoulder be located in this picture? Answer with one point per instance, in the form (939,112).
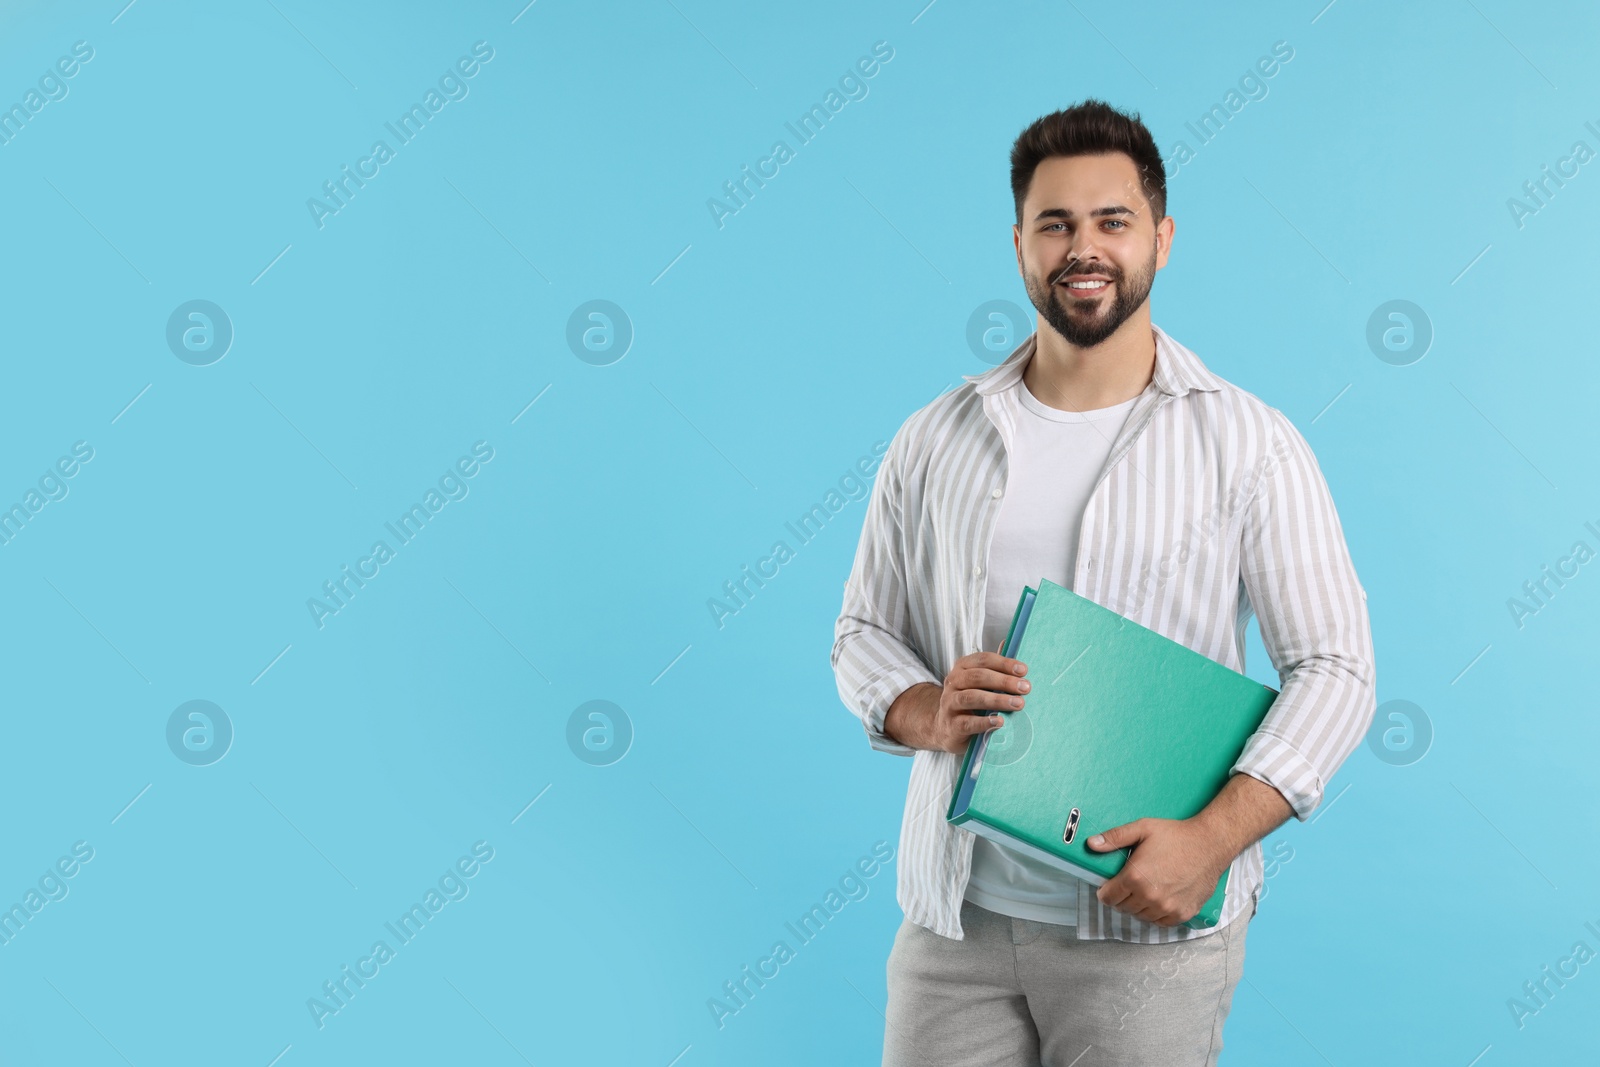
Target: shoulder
(1248,423)
(951,416)
(1265,452)
(1243,412)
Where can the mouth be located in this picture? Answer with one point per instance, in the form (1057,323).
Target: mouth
(1081,288)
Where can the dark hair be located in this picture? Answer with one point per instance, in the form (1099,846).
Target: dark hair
(1090,128)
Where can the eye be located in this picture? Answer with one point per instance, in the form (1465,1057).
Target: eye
(1116,222)
(1053,225)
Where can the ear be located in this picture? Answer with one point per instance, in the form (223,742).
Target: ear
(1164,240)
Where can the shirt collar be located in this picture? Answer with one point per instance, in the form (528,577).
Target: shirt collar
(1177,369)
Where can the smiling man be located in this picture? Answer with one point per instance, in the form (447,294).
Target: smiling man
(1103,455)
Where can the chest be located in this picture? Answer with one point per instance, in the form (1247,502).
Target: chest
(1161,511)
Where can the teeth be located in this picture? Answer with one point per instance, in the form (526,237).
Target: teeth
(1085,285)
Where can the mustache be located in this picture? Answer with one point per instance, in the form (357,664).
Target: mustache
(1075,271)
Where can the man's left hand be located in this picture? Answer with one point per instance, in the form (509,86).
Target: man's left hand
(1172,870)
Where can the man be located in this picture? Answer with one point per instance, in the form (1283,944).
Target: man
(1104,456)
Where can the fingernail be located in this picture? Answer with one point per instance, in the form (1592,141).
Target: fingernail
(1097,841)
(1025,686)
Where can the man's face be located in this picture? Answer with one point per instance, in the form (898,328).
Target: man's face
(1085,220)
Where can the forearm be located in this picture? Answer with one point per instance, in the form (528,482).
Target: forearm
(1246,810)
(911,714)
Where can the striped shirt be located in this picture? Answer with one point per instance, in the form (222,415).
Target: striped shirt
(1210,507)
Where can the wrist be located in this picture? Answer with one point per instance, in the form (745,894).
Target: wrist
(1219,850)
(907,718)
(1243,812)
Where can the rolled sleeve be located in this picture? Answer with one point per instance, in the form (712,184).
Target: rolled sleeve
(873,658)
(1280,765)
(880,695)
(1301,583)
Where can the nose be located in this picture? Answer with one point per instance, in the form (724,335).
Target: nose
(1084,254)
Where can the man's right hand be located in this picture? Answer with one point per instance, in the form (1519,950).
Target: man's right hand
(945,717)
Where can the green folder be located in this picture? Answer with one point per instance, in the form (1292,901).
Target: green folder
(1122,723)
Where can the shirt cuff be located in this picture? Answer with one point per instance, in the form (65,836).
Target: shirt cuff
(1279,764)
(882,693)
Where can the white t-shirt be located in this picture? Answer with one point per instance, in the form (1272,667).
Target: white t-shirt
(1052,467)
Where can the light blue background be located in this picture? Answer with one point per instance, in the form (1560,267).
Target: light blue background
(768,356)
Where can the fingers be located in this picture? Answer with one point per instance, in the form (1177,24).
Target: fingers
(1114,894)
(969,724)
(963,725)
(982,700)
(974,677)
(1133,899)
(1130,903)
(977,686)
(993,661)
(1128,833)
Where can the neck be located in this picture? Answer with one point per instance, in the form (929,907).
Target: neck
(1071,378)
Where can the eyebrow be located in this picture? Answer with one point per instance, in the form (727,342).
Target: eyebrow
(1066,213)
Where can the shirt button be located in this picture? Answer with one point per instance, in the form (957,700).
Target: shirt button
(997,493)
(976,570)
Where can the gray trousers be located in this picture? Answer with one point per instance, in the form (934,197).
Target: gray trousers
(1019,993)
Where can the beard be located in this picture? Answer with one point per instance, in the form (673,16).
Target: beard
(1085,323)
